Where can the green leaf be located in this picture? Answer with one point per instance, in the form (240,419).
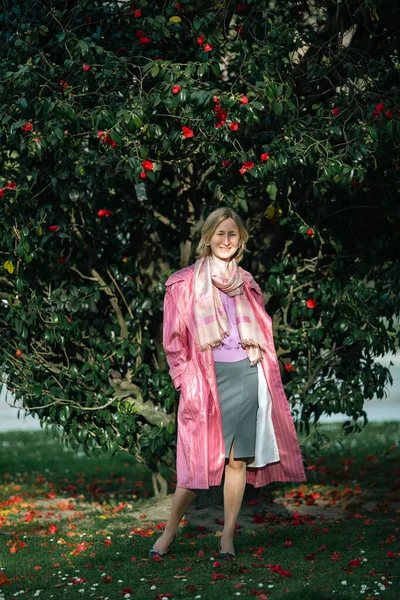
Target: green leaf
(83,47)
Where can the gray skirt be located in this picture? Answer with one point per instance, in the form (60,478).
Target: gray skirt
(237,384)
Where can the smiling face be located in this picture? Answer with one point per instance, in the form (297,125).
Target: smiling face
(225,241)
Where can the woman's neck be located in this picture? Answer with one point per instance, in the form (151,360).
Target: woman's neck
(223,265)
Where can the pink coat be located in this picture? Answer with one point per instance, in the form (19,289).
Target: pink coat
(200,448)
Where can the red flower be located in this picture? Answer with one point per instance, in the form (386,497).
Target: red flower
(226,163)
(147,165)
(376,115)
(244,100)
(215,99)
(218,576)
(136,13)
(354,563)
(53,529)
(207,48)
(311,303)
(53,228)
(178,6)
(64,84)
(144,40)
(379,107)
(264,156)
(77,580)
(143,175)
(1,193)
(27,127)
(18,353)
(11,185)
(389,114)
(234,126)
(140,33)
(107,542)
(248,165)
(187,132)
(176,89)
(335,112)
(201,39)
(289,368)
(104,212)
(310,232)
(221,116)
(100,134)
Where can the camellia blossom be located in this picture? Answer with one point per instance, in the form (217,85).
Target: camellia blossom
(264,156)
(144,40)
(187,132)
(86,67)
(376,114)
(2,192)
(354,563)
(289,368)
(53,228)
(389,114)
(137,13)
(176,89)
(11,185)
(311,303)
(246,166)
(335,112)
(310,232)
(244,100)
(234,126)
(147,165)
(221,115)
(226,163)
(207,48)
(104,212)
(143,175)
(18,352)
(27,127)
(201,40)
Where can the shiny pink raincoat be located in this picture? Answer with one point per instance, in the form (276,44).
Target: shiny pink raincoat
(200,449)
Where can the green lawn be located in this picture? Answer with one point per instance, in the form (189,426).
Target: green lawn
(66,528)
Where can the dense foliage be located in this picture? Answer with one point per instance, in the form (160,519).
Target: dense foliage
(122,125)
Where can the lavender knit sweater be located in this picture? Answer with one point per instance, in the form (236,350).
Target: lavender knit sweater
(230,349)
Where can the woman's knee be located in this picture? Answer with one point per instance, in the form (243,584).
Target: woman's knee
(236,464)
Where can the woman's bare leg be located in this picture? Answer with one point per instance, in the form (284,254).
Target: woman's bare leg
(181,501)
(234,486)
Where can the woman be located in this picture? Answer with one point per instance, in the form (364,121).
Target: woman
(233,419)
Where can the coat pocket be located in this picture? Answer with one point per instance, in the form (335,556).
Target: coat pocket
(188,401)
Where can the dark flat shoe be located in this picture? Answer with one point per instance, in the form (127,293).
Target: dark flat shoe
(224,555)
(153,552)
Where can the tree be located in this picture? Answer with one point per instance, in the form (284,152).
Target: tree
(122,126)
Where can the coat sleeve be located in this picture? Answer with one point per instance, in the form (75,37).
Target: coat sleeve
(175,339)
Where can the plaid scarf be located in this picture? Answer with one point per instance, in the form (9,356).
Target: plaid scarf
(209,312)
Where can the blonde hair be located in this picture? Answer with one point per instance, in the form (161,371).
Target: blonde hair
(211,224)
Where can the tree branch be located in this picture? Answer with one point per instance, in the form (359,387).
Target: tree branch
(113,302)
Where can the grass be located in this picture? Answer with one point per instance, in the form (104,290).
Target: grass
(67,532)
